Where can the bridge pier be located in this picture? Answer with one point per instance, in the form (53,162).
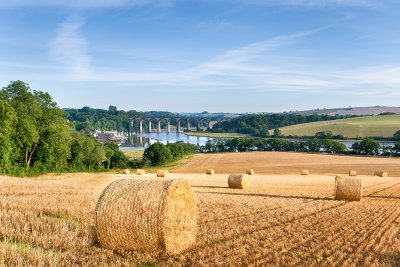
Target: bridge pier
(140,126)
(159,126)
(188,124)
(149,126)
(130,127)
(168,125)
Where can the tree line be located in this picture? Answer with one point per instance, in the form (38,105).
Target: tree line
(159,154)
(367,146)
(89,119)
(36,137)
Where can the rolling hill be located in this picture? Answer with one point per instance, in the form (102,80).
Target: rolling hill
(376,110)
(384,126)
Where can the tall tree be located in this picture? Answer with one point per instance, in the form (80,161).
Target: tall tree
(7,120)
(41,129)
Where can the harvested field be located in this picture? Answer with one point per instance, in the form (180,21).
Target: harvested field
(288,163)
(287,220)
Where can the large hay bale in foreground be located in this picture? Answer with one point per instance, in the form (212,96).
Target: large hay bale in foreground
(140,172)
(381,174)
(305,172)
(210,172)
(348,188)
(250,171)
(127,171)
(352,173)
(147,215)
(238,181)
(163,173)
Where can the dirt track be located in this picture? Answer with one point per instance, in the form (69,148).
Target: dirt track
(288,163)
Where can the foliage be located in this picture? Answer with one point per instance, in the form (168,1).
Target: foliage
(7,120)
(396,135)
(36,137)
(278,144)
(367,146)
(89,119)
(158,154)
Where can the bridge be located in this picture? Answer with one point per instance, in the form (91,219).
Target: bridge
(144,124)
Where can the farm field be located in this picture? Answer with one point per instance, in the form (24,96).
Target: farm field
(288,163)
(133,154)
(285,220)
(384,126)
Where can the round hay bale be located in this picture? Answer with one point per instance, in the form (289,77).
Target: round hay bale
(127,171)
(162,173)
(210,172)
(352,173)
(348,188)
(238,181)
(381,174)
(305,172)
(140,172)
(147,215)
(250,171)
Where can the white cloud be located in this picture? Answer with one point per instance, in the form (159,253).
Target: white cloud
(256,67)
(69,49)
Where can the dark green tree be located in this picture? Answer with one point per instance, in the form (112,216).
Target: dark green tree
(157,154)
(367,146)
(7,120)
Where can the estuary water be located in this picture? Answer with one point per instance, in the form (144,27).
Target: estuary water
(140,142)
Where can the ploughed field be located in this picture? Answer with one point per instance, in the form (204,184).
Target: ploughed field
(286,220)
(288,163)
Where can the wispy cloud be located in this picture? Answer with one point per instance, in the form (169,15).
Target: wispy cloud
(256,67)
(69,49)
(83,4)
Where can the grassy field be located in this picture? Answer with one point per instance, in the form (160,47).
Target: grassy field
(133,154)
(217,135)
(281,220)
(384,126)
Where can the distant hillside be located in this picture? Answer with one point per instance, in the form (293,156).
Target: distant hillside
(384,126)
(352,111)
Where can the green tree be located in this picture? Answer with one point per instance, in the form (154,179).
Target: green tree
(157,154)
(86,152)
(277,132)
(42,132)
(7,120)
(367,146)
(114,157)
(324,135)
(333,147)
(397,135)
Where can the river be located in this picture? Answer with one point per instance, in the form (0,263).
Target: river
(140,142)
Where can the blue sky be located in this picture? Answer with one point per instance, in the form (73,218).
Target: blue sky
(214,55)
